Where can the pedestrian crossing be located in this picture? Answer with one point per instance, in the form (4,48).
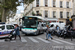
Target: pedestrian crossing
(38,39)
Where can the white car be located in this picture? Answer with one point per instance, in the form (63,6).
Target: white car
(5,29)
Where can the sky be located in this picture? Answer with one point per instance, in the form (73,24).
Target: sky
(20,8)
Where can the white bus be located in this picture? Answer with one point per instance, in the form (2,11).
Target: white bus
(33,25)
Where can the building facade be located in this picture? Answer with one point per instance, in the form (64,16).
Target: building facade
(60,9)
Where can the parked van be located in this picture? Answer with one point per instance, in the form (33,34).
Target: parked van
(61,25)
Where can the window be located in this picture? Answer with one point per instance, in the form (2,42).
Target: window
(37,3)
(10,27)
(54,14)
(61,4)
(46,14)
(54,3)
(46,3)
(67,4)
(61,14)
(67,14)
(37,13)
(2,27)
(60,21)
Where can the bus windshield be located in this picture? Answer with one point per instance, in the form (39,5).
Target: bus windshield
(30,23)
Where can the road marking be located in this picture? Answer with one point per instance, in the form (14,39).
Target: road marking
(56,41)
(23,39)
(64,41)
(2,40)
(33,39)
(12,41)
(43,40)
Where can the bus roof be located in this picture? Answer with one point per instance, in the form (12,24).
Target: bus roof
(44,19)
(40,17)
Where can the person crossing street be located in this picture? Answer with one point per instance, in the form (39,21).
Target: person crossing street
(48,33)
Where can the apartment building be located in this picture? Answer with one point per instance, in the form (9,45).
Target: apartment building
(60,9)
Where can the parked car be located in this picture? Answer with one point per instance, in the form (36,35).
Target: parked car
(5,29)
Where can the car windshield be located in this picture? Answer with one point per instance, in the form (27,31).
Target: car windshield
(10,27)
(2,27)
(30,23)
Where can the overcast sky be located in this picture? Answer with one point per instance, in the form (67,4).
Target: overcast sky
(20,8)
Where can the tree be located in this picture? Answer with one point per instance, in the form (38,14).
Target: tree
(8,6)
(27,2)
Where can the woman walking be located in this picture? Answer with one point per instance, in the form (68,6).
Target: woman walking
(17,32)
(49,33)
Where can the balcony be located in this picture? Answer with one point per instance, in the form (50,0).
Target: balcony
(54,6)
(61,6)
(61,16)
(46,5)
(54,16)
(68,7)
(37,5)
(46,16)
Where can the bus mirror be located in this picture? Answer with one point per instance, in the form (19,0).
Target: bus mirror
(23,18)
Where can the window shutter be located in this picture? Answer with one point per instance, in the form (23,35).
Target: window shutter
(35,3)
(48,3)
(52,14)
(52,3)
(48,14)
(43,13)
(39,2)
(43,2)
(70,4)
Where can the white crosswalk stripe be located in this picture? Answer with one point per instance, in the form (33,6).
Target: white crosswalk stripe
(2,40)
(33,39)
(64,41)
(37,39)
(23,39)
(12,41)
(56,41)
(43,40)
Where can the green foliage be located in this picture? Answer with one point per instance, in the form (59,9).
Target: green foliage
(33,13)
(9,6)
(28,1)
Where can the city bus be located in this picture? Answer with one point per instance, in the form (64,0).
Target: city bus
(33,25)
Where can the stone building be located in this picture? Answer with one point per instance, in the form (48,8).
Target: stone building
(61,9)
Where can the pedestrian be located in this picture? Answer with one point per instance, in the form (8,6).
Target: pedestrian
(49,33)
(58,30)
(17,32)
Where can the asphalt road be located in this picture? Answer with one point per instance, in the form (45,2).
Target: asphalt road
(31,42)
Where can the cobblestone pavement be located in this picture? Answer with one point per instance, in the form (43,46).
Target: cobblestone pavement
(38,43)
